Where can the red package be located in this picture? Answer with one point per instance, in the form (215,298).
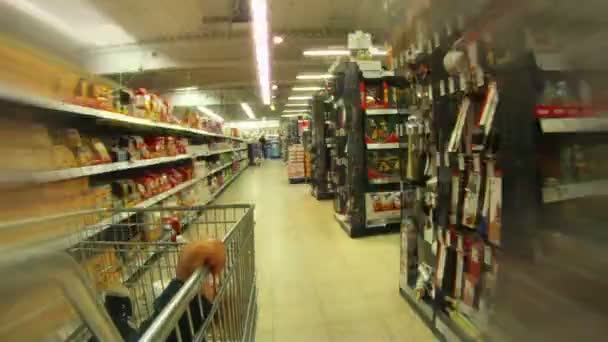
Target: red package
(476,259)
(175,177)
(163,182)
(156,146)
(186,172)
(145,186)
(171,146)
(181,145)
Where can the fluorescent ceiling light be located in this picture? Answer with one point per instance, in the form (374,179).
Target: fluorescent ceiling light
(277,40)
(294,115)
(314,76)
(306,88)
(262,52)
(296,111)
(209,112)
(297,105)
(317,53)
(299,98)
(186,89)
(275,87)
(377,52)
(248,110)
(341,52)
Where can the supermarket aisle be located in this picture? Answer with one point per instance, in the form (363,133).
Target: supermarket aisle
(315,283)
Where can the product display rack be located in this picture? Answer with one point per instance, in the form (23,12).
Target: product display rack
(52,107)
(321,147)
(370,148)
(59,175)
(57,114)
(527,154)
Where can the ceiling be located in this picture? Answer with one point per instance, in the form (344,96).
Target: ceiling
(163,45)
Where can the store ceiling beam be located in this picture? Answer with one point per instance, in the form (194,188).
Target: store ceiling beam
(141,61)
(318,35)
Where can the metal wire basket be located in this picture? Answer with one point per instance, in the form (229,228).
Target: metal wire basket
(132,255)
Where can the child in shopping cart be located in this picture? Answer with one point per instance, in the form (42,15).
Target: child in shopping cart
(210,254)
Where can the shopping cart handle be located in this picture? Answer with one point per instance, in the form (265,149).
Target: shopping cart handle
(167,320)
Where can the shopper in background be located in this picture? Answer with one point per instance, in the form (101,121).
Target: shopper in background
(263,143)
(210,254)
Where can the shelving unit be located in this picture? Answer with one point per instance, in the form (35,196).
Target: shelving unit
(59,115)
(533,162)
(53,107)
(322,147)
(370,144)
(564,192)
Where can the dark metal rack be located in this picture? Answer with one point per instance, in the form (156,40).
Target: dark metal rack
(322,144)
(547,251)
(358,191)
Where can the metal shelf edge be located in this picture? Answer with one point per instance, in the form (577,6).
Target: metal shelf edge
(552,194)
(10,94)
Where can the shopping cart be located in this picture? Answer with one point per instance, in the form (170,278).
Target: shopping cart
(256,155)
(123,265)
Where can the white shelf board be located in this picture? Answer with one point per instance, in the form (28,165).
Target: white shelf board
(386,111)
(11,94)
(574,125)
(57,175)
(565,192)
(385,146)
(212,153)
(103,224)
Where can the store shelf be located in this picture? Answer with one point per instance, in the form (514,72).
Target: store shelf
(383,222)
(212,153)
(228,182)
(424,310)
(217,170)
(90,231)
(167,235)
(546,112)
(343,221)
(386,111)
(386,146)
(10,94)
(104,224)
(574,125)
(58,175)
(384,181)
(565,192)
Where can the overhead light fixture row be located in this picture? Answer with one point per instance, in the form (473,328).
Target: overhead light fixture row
(297,105)
(321,53)
(209,112)
(314,76)
(294,115)
(186,89)
(299,98)
(295,111)
(339,52)
(259,10)
(306,88)
(247,110)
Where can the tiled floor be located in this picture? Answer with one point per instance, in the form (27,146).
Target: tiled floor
(315,283)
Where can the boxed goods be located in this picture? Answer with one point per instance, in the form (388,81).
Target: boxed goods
(100,152)
(63,157)
(156,146)
(104,269)
(152,227)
